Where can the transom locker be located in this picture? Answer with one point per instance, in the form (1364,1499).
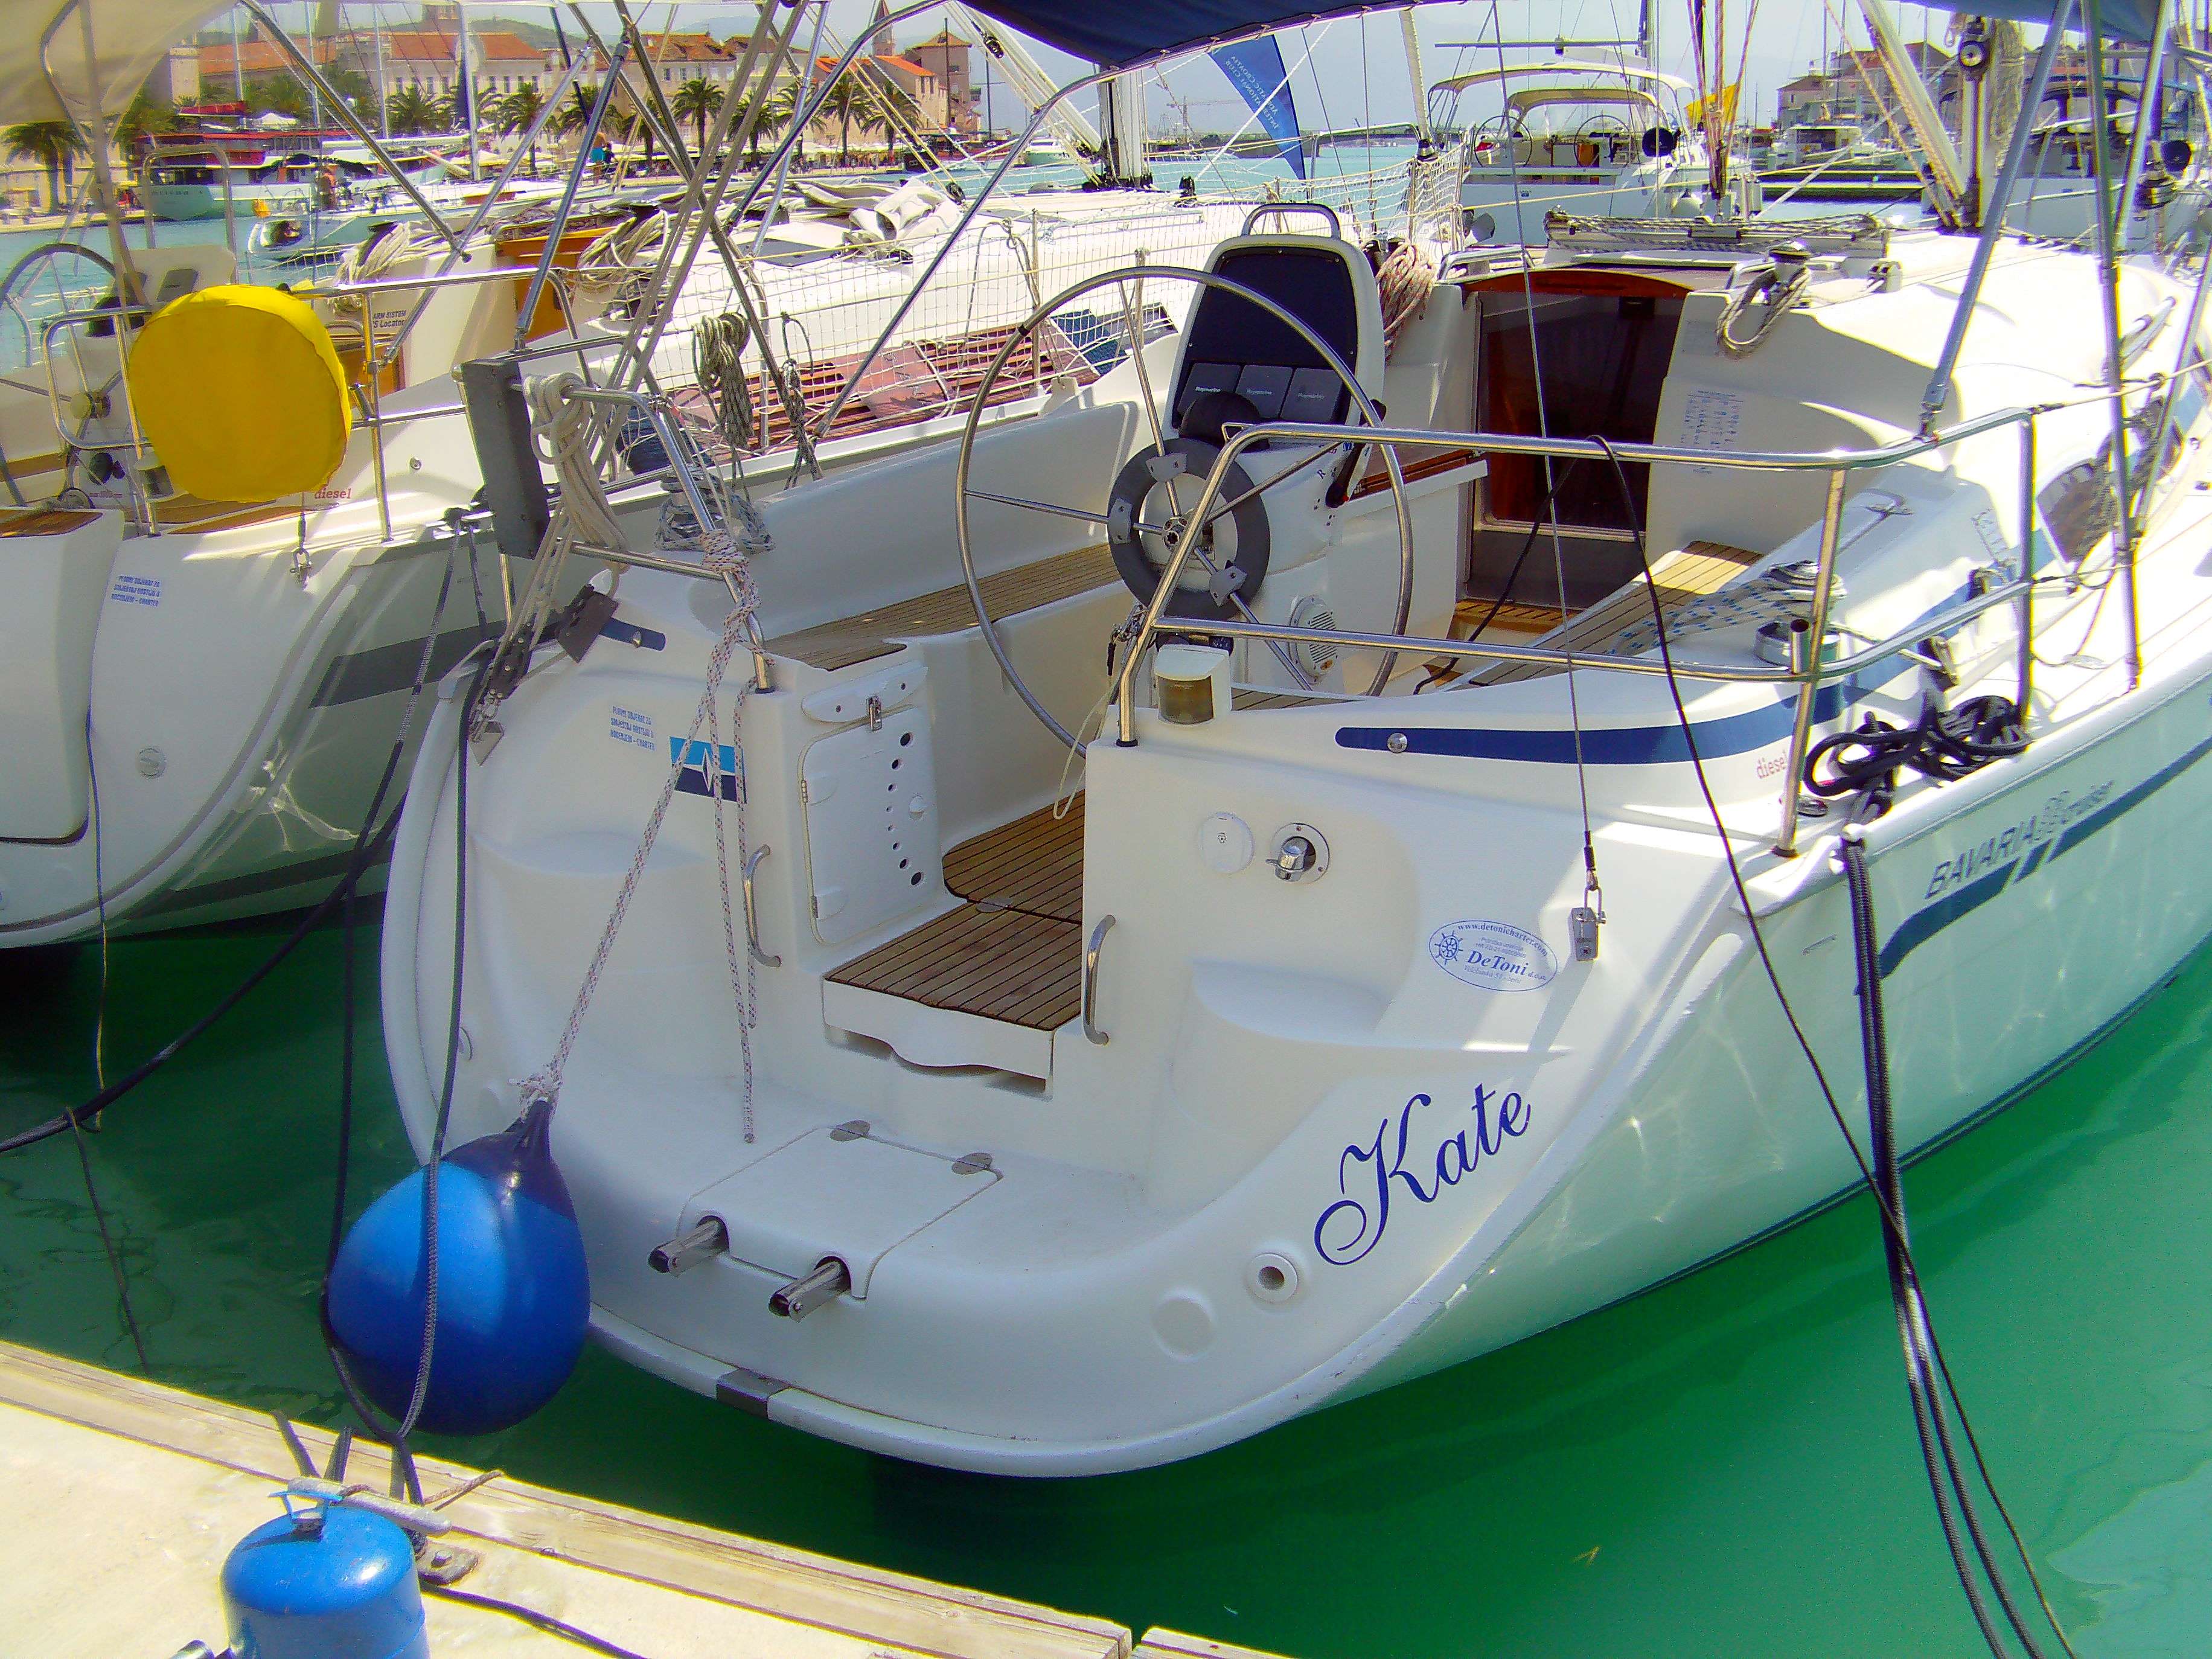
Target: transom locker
(870,797)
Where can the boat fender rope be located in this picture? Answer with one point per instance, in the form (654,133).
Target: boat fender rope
(723,554)
(1925,1375)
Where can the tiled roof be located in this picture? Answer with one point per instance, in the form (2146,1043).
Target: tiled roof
(438,46)
(253,58)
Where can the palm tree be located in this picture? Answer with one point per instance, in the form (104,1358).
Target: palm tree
(454,107)
(847,98)
(895,106)
(54,145)
(695,100)
(145,117)
(575,114)
(518,112)
(779,112)
(412,110)
(279,96)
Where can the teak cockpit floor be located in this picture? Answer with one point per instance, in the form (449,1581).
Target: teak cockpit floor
(1033,865)
(1700,569)
(1014,951)
(850,639)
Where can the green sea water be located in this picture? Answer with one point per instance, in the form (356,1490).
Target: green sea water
(1722,1466)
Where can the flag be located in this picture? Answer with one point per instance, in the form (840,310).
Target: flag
(1255,68)
(1722,102)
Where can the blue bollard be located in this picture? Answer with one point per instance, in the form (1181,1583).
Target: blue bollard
(325,1581)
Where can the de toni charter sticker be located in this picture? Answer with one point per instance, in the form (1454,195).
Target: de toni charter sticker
(1494,955)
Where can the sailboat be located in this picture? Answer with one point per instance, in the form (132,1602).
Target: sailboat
(205,687)
(1584,137)
(1060,952)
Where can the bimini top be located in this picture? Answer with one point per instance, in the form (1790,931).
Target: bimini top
(1624,72)
(1530,97)
(1133,30)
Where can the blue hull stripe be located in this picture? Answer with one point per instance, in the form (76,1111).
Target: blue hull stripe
(1625,745)
(2076,833)
(1923,925)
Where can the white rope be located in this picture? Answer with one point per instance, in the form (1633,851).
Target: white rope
(572,430)
(723,556)
(1405,280)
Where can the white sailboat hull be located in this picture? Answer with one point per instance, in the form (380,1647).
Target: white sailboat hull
(1304,1139)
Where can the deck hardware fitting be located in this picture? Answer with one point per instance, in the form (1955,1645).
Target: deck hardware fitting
(830,1280)
(709,1239)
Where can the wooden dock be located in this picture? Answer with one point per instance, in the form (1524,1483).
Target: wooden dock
(125,1496)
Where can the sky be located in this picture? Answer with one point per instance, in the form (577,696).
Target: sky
(1356,75)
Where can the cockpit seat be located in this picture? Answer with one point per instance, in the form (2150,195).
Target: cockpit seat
(1233,347)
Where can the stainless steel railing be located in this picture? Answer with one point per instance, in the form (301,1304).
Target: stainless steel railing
(1805,669)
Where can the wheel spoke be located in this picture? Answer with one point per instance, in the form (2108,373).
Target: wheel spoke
(1296,466)
(1084,513)
(1133,312)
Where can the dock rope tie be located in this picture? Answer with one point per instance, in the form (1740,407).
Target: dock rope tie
(727,555)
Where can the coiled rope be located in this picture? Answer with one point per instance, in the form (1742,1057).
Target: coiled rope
(573,431)
(1406,279)
(1782,284)
(717,345)
(1945,745)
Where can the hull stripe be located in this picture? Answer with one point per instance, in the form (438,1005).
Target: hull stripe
(1924,924)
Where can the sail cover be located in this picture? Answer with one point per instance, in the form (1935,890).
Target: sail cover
(1255,68)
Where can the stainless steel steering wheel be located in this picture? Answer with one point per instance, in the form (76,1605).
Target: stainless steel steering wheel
(1139,275)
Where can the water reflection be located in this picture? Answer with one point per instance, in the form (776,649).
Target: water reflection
(1724,1465)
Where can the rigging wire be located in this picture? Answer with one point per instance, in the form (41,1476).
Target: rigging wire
(1593,888)
(1922,1322)
(76,1128)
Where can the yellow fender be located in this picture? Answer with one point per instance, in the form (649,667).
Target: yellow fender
(239,392)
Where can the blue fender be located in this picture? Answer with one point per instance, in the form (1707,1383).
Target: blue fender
(514,1296)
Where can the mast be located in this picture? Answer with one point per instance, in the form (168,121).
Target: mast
(468,90)
(383,94)
(1122,130)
